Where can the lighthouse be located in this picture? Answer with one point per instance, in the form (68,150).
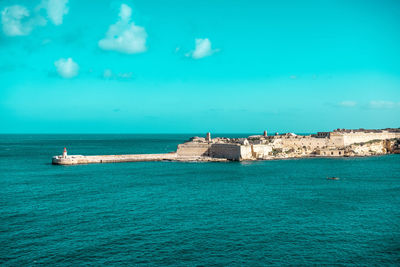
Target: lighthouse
(65,153)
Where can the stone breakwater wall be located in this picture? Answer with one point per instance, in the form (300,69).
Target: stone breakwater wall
(79,159)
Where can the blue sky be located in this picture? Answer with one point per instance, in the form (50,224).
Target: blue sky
(142,66)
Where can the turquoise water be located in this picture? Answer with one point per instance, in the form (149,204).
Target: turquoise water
(170,213)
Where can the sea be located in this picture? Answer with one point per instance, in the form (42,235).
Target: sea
(280,212)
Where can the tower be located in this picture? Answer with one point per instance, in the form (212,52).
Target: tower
(65,152)
(208,137)
(265,133)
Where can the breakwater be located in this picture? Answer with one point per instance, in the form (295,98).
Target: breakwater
(80,159)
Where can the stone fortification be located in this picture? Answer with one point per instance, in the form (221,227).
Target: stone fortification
(193,149)
(227,151)
(338,143)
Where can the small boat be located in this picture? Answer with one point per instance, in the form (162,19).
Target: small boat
(332,178)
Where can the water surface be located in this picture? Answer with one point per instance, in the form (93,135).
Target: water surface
(174,213)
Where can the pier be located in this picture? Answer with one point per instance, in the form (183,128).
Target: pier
(65,159)
(80,159)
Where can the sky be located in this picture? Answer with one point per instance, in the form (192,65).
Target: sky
(181,66)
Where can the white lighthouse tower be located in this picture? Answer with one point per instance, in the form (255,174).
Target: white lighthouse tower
(64,153)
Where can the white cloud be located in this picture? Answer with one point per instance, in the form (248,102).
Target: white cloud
(125,12)
(67,68)
(15,20)
(348,104)
(383,104)
(124,36)
(202,49)
(56,9)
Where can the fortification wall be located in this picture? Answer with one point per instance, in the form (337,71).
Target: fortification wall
(335,140)
(193,149)
(307,141)
(228,151)
(261,151)
(362,137)
(246,152)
